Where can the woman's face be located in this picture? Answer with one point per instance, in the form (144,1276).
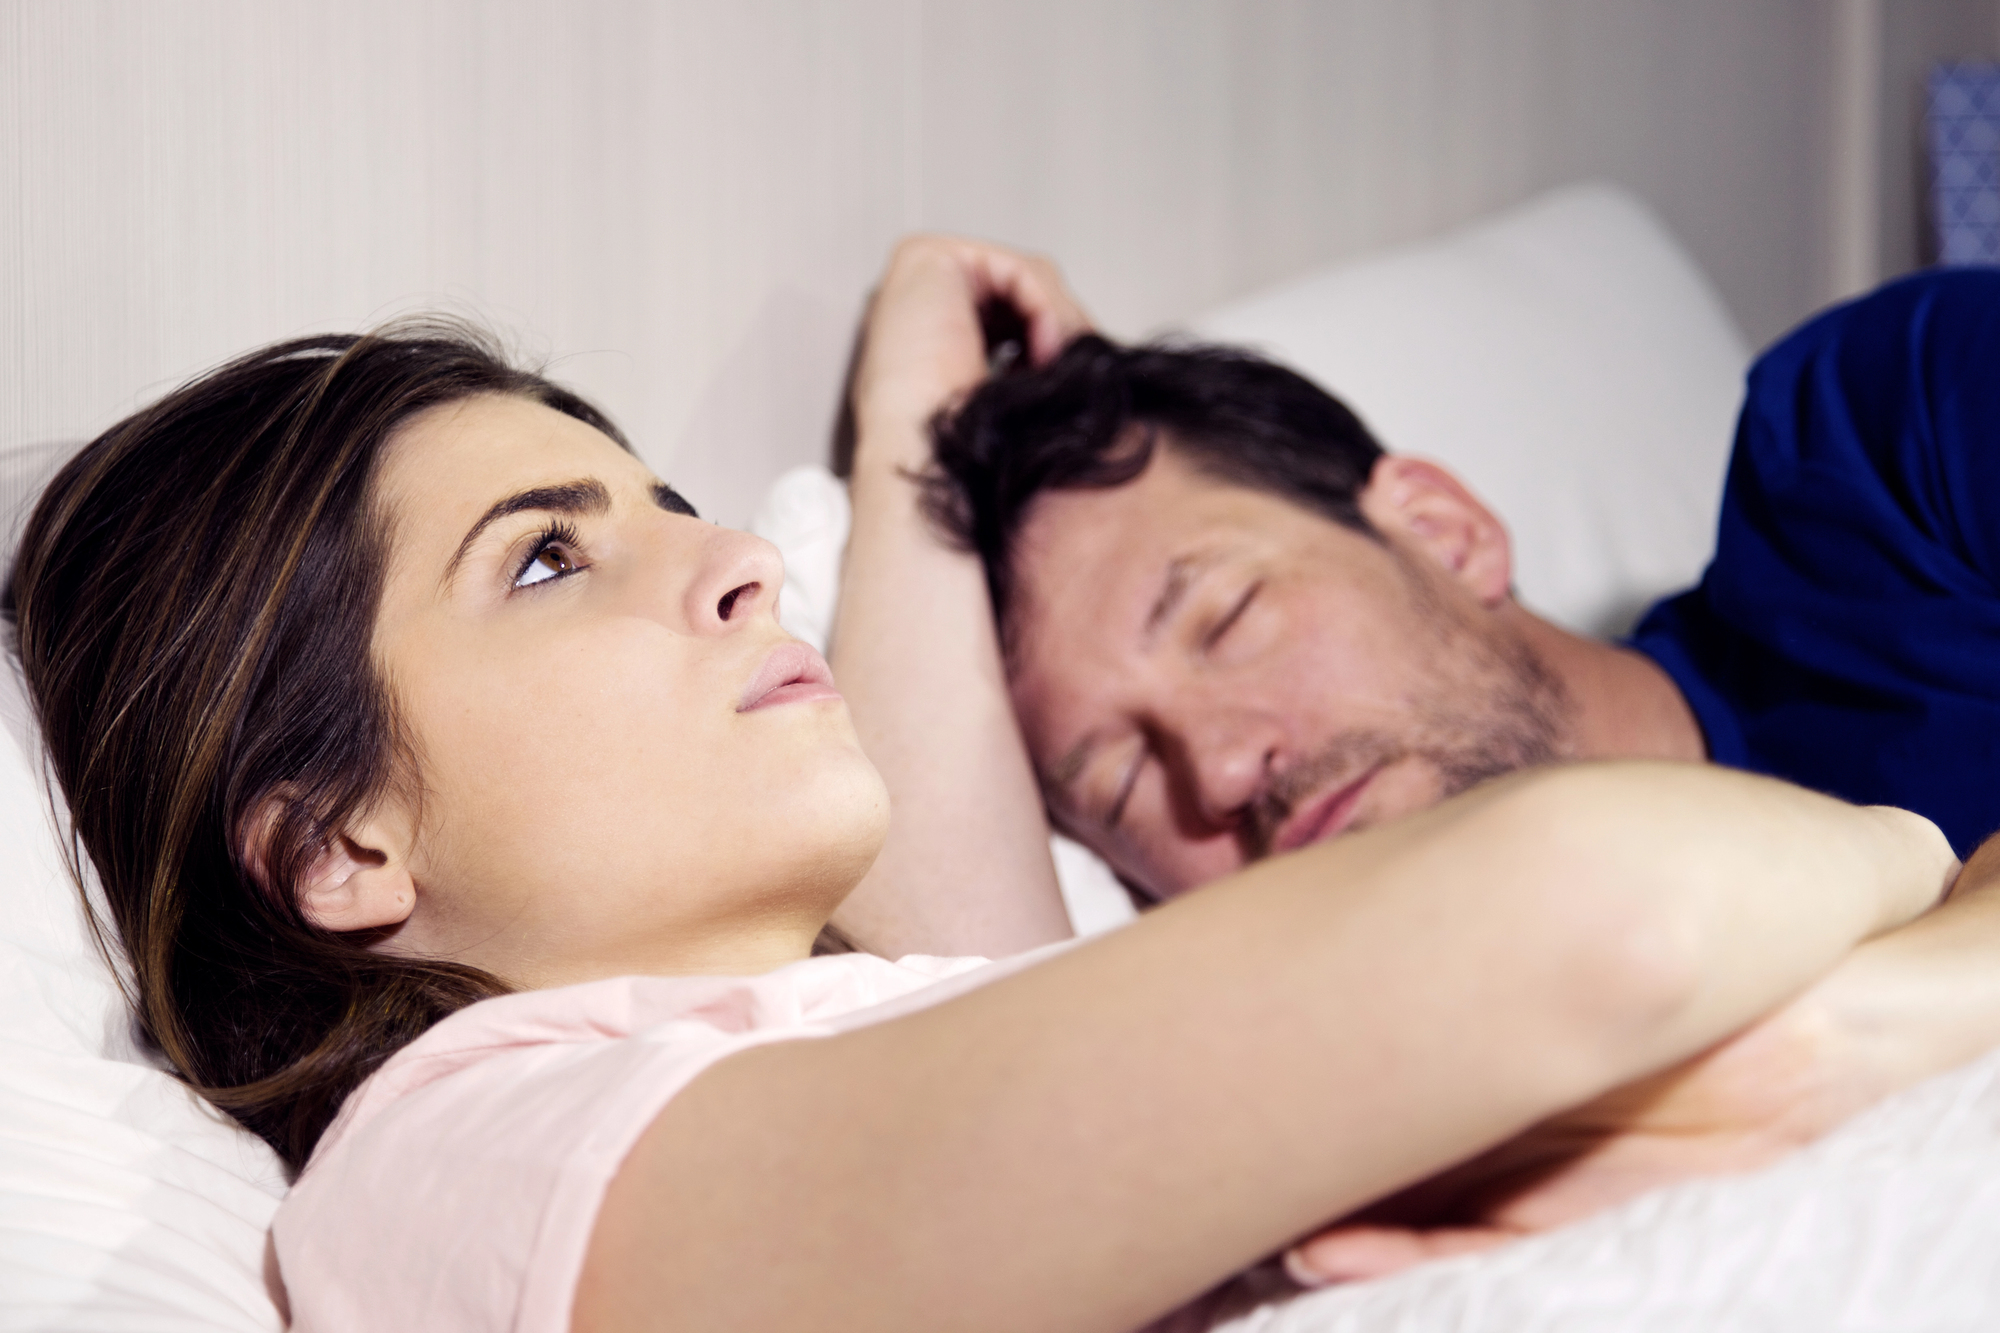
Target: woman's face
(610,781)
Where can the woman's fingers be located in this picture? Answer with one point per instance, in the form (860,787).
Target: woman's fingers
(1357,1253)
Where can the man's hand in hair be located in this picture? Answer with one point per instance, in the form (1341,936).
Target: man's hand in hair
(922,346)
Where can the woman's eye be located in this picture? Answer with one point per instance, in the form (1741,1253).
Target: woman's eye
(552,561)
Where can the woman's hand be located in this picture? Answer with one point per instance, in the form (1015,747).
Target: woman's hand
(1903,1007)
(1778,1086)
(921,342)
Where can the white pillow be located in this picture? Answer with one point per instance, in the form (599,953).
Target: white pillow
(1567,360)
(126,1202)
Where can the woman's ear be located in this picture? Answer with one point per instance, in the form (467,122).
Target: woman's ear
(1433,511)
(359,880)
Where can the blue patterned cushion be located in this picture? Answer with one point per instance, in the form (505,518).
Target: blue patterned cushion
(1965,162)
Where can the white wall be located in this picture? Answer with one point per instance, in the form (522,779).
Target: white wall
(685,200)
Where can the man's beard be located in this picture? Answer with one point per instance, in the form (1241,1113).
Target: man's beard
(1496,708)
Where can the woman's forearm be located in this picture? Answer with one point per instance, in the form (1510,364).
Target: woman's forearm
(1918,1001)
(1759,887)
(1091,1141)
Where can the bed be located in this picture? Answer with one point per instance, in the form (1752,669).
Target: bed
(1573,365)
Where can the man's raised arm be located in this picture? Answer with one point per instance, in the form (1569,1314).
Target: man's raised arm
(966,869)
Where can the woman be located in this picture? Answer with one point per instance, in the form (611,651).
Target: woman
(469,823)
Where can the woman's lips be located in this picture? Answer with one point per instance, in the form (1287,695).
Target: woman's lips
(1324,817)
(792,674)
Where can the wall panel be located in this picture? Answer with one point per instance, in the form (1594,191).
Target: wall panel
(684,200)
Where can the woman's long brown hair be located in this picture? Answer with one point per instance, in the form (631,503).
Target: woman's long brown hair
(194,597)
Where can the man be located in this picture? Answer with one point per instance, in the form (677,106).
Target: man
(1234,625)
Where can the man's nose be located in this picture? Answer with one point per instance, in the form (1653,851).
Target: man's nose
(1230,758)
(735,581)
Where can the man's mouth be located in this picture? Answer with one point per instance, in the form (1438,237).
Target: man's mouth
(1323,817)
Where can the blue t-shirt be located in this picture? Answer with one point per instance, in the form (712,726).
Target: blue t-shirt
(1847,633)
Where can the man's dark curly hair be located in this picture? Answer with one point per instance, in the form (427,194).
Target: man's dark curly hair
(1092,418)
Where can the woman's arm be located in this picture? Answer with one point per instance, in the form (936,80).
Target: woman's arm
(966,868)
(1921,1000)
(1093,1141)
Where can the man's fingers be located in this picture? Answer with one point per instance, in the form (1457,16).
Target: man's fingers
(1035,288)
(921,346)
(1033,284)
(1357,1253)
(1053,315)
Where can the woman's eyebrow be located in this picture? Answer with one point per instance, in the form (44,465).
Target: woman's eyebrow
(588,496)
(671,500)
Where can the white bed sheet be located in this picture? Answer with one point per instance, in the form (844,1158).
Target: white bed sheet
(1892,1223)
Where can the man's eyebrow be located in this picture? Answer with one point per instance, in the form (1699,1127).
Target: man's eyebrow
(1181,572)
(588,496)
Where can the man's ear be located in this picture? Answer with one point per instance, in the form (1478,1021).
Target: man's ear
(359,880)
(1433,511)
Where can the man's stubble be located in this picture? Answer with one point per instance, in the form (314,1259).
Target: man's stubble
(1492,706)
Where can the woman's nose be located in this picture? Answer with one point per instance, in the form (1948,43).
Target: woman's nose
(737,580)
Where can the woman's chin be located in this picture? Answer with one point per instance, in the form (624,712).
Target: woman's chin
(830,814)
(855,835)
(831,775)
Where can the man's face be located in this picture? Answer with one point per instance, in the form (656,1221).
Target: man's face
(1206,674)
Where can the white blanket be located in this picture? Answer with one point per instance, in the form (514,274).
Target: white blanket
(1890,1223)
